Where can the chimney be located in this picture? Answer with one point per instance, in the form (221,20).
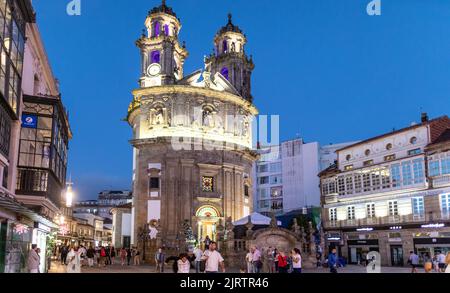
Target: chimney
(424,117)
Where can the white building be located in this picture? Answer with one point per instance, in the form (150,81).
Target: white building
(286,175)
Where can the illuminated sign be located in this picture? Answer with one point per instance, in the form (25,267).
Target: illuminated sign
(396,228)
(364,229)
(29,121)
(433,226)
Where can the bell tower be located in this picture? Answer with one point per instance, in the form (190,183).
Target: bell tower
(162,55)
(229,58)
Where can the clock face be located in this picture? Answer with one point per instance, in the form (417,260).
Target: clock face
(154,69)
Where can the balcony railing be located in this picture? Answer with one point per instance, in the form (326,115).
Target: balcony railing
(441,180)
(389,220)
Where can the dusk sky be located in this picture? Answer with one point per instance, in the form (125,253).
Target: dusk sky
(332,73)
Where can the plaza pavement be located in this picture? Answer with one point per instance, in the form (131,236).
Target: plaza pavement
(118,269)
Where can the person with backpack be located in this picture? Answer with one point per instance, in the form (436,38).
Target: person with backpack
(282,263)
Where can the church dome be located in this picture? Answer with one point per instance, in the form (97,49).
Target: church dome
(163,8)
(230,27)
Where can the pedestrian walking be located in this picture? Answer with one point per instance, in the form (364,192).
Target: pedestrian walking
(447,262)
(74,263)
(213,259)
(123,256)
(332,261)
(275,257)
(207,242)
(248,261)
(441,262)
(64,252)
(282,262)
(198,258)
(129,256)
(270,261)
(113,255)
(102,257)
(33,260)
(413,261)
(90,256)
(137,257)
(184,266)
(160,259)
(296,261)
(256,260)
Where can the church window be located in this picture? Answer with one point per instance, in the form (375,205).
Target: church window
(155,57)
(207,184)
(225,72)
(154,183)
(157,28)
(225,46)
(166,29)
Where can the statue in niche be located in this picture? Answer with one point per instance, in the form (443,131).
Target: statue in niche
(159,117)
(246,127)
(208,118)
(233,47)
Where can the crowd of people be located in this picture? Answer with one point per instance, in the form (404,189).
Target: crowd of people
(74,257)
(439,262)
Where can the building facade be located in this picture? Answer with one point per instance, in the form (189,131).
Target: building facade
(192,135)
(34,135)
(107,200)
(286,175)
(390,194)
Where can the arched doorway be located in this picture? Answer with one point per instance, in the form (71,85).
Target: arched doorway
(207,220)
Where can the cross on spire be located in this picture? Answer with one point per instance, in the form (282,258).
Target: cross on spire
(230,16)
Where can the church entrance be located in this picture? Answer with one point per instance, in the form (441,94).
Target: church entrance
(208,218)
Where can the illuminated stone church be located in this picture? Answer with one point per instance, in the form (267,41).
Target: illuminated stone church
(192,134)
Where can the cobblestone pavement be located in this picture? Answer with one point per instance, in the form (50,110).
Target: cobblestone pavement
(117,268)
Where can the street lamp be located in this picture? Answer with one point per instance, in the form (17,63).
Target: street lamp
(69,195)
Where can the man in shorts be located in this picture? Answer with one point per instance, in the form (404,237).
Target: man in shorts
(414,261)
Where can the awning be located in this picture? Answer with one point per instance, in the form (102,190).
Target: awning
(257,219)
(15,206)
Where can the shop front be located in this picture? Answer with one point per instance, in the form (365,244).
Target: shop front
(334,241)
(358,248)
(431,244)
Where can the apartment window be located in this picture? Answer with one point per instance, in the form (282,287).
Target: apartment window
(393,208)
(418,206)
(332,187)
(263,193)
(275,168)
(395,175)
(414,152)
(389,158)
(370,208)
(348,168)
(368,163)
(246,190)
(333,214)
(351,213)
(376,183)
(366,182)
(275,179)
(435,168)
(325,189)
(276,192)
(385,179)
(263,168)
(407,173)
(445,163)
(154,183)
(349,184)
(358,183)
(419,175)
(445,204)
(207,184)
(341,186)
(264,180)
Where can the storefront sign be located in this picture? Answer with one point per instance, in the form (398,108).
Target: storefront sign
(433,226)
(29,121)
(364,229)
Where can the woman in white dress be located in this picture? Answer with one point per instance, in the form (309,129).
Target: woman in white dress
(74,261)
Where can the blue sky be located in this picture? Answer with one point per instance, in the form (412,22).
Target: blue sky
(331,72)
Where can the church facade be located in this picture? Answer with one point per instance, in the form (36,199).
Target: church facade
(192,135)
